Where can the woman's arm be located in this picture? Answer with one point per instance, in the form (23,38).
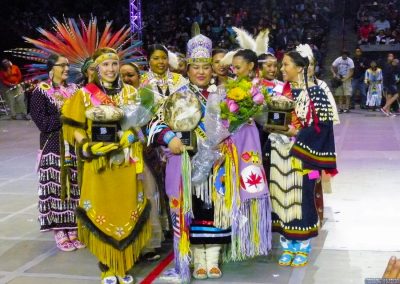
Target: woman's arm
(45,121)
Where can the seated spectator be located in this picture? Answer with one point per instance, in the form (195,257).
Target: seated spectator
(389,38)
(382,23)
(365,31)
(396,36)
(381,37)
(11,89)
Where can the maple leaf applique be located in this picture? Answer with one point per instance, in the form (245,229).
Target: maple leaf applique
(254,179)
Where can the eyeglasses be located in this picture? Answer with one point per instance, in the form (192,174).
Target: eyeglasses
(62,65)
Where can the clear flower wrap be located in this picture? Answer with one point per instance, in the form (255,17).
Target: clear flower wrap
(141,111)
(216,132)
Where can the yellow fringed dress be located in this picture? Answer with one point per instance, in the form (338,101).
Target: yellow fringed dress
(113,213)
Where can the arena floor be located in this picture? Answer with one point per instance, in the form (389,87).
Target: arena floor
(361,227)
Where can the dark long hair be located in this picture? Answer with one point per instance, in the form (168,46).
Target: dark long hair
(133,65)
(153,48)
(218,51)
(300,62)
(249,56)
(263,57)
(51,61)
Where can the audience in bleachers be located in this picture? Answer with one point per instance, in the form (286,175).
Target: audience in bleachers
(289,22)
(378,22)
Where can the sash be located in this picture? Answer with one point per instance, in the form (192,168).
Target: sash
(200,129)
(97,96)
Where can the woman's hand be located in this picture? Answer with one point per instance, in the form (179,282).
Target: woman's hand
(98,149)
(290,132)
(127,138)
(176,146)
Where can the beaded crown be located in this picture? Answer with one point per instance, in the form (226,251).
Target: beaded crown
(199,49)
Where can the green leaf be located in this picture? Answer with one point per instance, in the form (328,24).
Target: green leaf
(146,96)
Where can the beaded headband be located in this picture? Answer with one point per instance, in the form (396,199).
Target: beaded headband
(106,56)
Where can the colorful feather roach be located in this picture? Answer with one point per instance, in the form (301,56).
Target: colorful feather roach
(77,41)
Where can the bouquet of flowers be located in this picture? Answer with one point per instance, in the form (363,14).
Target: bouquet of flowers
(244,99)
(141,111)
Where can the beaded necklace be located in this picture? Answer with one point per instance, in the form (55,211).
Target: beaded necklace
(57,94)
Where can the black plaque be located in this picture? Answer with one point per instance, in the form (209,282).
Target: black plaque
(278,120)
(105,132)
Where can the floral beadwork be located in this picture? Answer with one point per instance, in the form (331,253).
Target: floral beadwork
(119,231)
(140,197)
(87,205)
(134,215)
(100,219)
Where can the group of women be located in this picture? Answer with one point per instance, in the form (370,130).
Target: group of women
(106,196)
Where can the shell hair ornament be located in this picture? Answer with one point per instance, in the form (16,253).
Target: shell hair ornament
(305,51)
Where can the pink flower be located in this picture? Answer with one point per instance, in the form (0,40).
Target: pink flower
(232,105)
(258,98)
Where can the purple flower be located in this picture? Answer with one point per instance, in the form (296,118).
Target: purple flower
(225,123)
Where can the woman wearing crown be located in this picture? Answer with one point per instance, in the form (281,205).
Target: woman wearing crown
(206,237)
(192,215)
(113,213)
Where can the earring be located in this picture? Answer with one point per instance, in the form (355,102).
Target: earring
(300,80)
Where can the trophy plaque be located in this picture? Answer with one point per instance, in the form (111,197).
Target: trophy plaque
(278,120)
(277,115)
(188,139)
(105,124)
(105,132)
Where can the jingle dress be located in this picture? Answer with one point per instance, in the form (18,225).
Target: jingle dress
(56,212)
(297,165)
(155,160)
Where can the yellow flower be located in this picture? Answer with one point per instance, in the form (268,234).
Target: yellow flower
(245,85)
(236,94)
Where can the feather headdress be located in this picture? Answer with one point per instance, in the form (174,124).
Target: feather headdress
(246,41)
(173,60)
(262,42)
(77,41)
